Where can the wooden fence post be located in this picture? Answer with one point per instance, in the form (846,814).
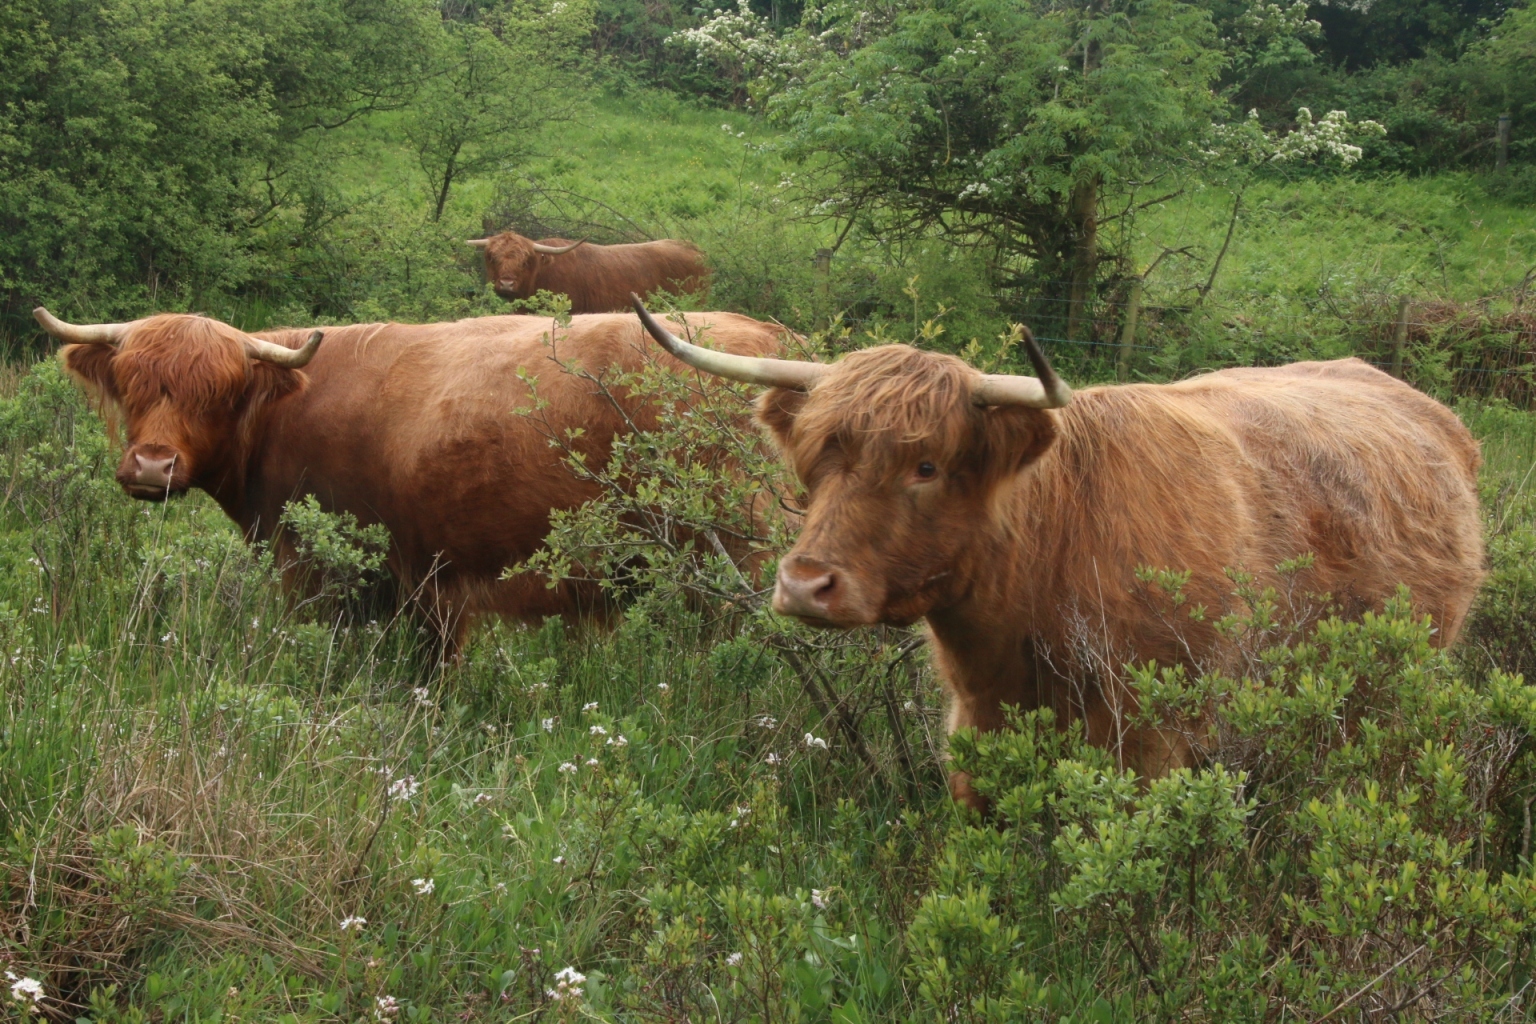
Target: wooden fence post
(1128,329)
(1399,337)
(1501,161)
(823,271)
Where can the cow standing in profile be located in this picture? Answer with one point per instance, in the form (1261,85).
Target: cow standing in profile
(597,278)
(413,426)
(1012,515)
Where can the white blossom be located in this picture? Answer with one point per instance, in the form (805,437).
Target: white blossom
(353,921)
(26,991)
(423,698)
(598,730)
(815,742)
(568,982)
(404,789)
(483,798)
(424,886)
(559,861)
(568,768)
(386,1007)
(618,741)
(734,960)
(766,722)
(663,687)
(591,762)
(589,706)
(819,899)
(773,758)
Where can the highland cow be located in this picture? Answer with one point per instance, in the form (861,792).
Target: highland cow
(1013,516)
(597,278)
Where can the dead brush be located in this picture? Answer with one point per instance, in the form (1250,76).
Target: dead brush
(177,836)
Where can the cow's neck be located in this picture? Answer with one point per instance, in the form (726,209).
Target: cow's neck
(1017,565)
(231,487)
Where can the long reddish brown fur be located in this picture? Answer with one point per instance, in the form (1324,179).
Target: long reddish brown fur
(413,426)
(598,278)
(1024,561)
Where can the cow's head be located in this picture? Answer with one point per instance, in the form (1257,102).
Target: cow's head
(184,387)
(512,262)
(901,453)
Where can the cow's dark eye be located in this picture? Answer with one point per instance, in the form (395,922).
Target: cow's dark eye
(927,471)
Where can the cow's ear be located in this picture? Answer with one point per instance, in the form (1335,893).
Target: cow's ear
(777,409)
(1015,437)
(91,365)
(269,383)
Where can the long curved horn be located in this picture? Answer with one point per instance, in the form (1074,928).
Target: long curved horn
(1047,391)
(556,250)
(770,373)
(281,355)
(478,243)
(80,334)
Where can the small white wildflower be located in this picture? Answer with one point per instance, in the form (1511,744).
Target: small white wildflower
(483,798)
(424,886)
(590,706)
(386,1007)
(568,982)
(500,887)
(560,861)
(169,638)
(909,706)
(26,991)
(548,725)
(591,762)
(819,899)
(815,742)
(734,960)
(353,921)
(767,722)
(598,730)
(404,789)
(568,768)
(618,741)
(423,698)
(773,758)
(663,687)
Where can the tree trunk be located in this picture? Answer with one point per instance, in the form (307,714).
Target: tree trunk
(1085,254)
(449,169)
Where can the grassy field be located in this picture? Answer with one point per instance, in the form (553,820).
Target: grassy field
(217,806)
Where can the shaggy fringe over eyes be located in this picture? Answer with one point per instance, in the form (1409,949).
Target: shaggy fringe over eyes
(200,363)
(890,403)
(508,255)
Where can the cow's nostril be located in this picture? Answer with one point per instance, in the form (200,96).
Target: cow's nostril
(823,587)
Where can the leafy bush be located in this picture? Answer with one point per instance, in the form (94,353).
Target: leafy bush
(1343,849)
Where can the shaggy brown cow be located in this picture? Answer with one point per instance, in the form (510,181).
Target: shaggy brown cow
(598,278)
(413,426)
(938,493)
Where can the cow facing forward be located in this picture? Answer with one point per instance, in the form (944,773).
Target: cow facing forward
(597,278)
(413,426)
(1014,522)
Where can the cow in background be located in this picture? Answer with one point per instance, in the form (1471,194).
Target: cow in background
(413,426)
(597,278)
(1012,516)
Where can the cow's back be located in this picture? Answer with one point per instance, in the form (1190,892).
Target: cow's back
(600,278)
(435,431)
(1245,469)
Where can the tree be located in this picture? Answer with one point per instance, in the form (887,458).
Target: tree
(1019,125)
(497,82)
(144,143)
